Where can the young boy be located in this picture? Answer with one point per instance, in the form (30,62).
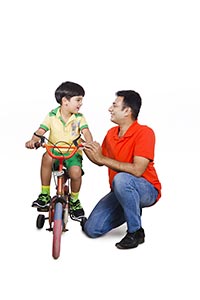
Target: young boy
(64,123)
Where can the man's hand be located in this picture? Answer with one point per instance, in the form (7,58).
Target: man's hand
(93,152)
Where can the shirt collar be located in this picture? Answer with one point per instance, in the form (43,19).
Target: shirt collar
(128,133)
(58,115)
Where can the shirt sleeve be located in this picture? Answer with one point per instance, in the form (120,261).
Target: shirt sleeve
(83,123)
(145,144)
(46,124)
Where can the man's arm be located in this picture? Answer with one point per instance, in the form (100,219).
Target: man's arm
(94,153)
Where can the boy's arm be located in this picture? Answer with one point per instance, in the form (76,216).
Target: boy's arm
(31,144)
(87,135)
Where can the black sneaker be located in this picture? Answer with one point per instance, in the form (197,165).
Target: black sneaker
(76,210)
(131,240)
(42,201)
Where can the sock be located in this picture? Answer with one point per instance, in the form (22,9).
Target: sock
(74,196)
(45,189)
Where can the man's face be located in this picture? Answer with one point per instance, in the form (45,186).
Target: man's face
(117,114)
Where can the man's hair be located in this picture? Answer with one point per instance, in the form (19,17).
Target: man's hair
(131,99)
(68,89)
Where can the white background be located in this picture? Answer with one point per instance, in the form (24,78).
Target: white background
(149,46)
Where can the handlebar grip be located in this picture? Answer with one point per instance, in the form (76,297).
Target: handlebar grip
(37,145)
(75,142)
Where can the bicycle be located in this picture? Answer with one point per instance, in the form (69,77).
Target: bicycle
(58,209)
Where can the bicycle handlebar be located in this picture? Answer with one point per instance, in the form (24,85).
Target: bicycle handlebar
(49,147)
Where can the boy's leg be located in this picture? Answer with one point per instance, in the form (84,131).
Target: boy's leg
(75,174)
(46,169)
(45,174)
(106,215)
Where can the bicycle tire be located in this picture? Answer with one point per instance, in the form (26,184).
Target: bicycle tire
(40,221)
(57,230)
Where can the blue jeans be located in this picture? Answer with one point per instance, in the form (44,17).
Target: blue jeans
(123,204)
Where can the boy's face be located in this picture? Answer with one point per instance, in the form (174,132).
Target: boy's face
(73,104)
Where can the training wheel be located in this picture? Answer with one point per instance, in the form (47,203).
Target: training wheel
(40,221)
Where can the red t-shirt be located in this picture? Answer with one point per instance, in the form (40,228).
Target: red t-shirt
(139,140)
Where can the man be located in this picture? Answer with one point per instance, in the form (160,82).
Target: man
(128,152)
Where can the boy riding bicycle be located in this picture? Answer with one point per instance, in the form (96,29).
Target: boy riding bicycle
(64,124)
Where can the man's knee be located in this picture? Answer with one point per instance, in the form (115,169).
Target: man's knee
(90,230)
(120,180)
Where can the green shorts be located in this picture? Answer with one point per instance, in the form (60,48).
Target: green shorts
(75,160)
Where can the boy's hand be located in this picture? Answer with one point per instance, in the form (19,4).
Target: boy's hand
(30,144)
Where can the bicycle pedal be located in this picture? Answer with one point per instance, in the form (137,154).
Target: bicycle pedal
(49,229)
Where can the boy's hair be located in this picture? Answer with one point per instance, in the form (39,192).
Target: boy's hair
(131,99)
(68,89)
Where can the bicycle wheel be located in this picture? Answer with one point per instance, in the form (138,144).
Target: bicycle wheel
(40,221)
(57,230)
